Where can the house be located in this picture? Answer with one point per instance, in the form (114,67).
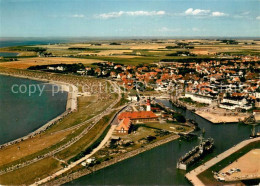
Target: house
(120,75)
(98,71)
(118,66)
(60,68)
(113,74)
(124,126)
(133,98)
(139,116)
(51,68)
(81,72)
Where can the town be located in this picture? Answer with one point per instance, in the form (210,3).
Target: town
(227,84)
(159,91)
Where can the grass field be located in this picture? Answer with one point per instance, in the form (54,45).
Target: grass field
(49,165)
(28,175)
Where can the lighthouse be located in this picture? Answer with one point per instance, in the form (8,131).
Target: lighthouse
(148,105)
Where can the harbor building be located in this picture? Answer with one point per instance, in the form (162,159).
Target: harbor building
(138,116)
(123,127)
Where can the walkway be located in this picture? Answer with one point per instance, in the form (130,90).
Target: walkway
(192,176)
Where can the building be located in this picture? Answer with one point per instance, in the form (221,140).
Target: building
(200,98)
(256,113)
(138,117)
(148,105)
(232,103)
(124,126)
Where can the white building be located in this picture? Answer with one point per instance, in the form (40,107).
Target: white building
(200,98)
(51,68)
(235,103)
(60,68)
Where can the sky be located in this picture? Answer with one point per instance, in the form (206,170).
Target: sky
(129,18)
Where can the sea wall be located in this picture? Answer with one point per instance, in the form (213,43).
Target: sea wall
(124,156)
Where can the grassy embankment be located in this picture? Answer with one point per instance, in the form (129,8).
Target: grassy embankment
(50,165)
(33,148)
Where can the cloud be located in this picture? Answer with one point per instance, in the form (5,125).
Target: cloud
(191,11)
(258,17)
(218,14)
(130,13)
(78,16)
(68,16)
(201,12)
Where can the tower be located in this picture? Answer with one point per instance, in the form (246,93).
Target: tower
(148,105)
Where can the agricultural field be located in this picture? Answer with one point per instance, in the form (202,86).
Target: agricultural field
(24,63)
(129,51)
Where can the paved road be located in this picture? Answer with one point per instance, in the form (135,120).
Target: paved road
(192,176)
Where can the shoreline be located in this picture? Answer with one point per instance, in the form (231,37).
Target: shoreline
(75,175)
(71,106)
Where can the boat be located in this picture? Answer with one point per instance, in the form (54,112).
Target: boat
(196,153)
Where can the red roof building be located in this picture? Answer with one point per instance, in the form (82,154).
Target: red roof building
(138,117)
(123,127)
